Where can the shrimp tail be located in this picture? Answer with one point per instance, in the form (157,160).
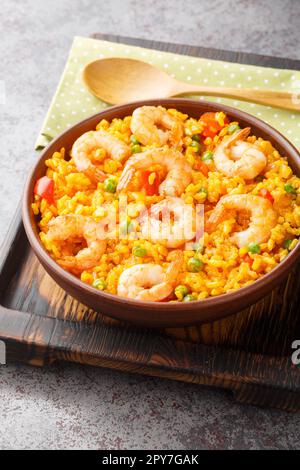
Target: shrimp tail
(95,175)
(240,134)
(217,216)
(126,178)
(174,267)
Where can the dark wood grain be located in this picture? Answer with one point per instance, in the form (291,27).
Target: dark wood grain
(248,353)
(31,289)
(208,53)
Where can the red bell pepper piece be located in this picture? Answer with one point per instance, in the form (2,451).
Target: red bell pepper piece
(201,166)
(44,187)
(150,188)
(248,259)
(212,127)
(266,194)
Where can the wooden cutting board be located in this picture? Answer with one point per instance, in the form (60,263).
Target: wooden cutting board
(248,354)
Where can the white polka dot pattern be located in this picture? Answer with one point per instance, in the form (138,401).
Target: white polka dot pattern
(73,102)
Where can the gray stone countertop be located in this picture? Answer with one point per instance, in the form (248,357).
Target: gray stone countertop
(71,406)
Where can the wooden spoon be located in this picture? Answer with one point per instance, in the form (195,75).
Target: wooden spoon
(118,81)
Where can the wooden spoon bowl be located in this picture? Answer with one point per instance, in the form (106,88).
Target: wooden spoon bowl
(117,80)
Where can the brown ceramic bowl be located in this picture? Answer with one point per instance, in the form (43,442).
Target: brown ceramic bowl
(163,313)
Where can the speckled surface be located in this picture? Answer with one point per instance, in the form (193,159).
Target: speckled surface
(70,406)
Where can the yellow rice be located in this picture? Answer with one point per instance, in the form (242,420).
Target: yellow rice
(225,268)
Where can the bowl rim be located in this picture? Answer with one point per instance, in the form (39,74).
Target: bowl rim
(209,302)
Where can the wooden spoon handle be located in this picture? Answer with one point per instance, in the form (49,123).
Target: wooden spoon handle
(277,99)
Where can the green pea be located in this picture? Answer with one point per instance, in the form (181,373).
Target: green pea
(254,248)
(232,128)
(194,265)
(100,284)
(196,145)
(197,247)
(130,226)
(208,155)
(203,190)
(134,140)
(189,298)
(181,291)
(287,244)
(139,251)
(290,189)
(196,138)
(126,227)
(110,185)
(136,148)
(200,248)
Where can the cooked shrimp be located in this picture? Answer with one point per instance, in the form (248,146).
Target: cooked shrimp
(235,157)
(77,227)
(90,141)
(149,282)
(262,217)
(179,172)
(176,227)
(154,125)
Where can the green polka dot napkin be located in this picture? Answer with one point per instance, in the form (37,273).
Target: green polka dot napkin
(72,102)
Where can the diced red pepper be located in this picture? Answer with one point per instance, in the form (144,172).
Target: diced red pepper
(211,131)
(201,166)
(247,258)
(212,127)
(44,187)
(266,194)
(150,188)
